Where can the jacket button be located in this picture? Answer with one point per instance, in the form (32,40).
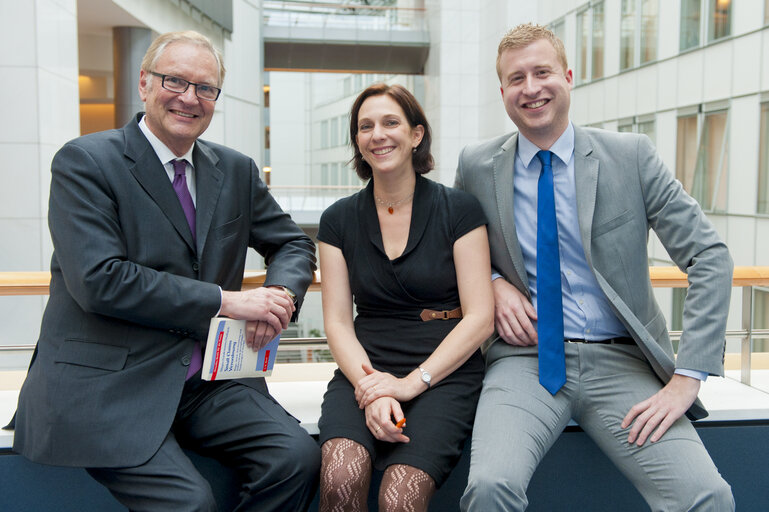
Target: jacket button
(186,360)
(195,266)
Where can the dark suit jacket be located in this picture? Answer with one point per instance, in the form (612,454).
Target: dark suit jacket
(130,292)
(623,190)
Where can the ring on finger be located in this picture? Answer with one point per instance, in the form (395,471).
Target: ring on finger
(378,428)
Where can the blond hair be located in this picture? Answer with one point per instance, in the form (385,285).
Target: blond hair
(525,34)
(187,36)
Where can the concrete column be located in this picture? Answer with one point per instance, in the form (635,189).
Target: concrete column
(129,44)
(39,70)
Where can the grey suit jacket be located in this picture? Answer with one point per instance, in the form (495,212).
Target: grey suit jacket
(623,190)
(130,292)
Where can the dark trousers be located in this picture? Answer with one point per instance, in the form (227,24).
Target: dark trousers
(276,460)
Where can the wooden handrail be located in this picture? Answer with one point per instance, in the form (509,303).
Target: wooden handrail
(36,283)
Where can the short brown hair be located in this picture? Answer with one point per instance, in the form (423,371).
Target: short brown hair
(525,34)
(421,159)
(187,36)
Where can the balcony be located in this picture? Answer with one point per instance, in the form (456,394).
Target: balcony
(310,36)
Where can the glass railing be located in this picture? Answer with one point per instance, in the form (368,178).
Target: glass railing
(349,16)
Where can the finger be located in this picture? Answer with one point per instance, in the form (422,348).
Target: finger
(281,314)
(367,368)
(268,336)
(633,412)
(250,333)
(663,427)
(638,425)
(651,424)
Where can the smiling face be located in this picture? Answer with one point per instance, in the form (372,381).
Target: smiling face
(384,137)
(536,91)
(178,119)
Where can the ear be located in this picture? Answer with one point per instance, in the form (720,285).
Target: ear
(502,91)
(144,79)
(569,79)
(417,133)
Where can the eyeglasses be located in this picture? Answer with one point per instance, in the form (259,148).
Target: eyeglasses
(180,85)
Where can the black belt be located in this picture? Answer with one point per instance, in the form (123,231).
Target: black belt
(611,341)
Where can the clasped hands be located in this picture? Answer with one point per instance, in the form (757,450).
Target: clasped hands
(380,395)
(267,311)
(514,318)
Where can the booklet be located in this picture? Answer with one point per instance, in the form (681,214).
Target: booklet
(228,357)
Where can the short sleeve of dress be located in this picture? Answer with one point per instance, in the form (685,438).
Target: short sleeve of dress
(331,227)
(465,212)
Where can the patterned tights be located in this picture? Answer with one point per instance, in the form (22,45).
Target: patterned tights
(345,476)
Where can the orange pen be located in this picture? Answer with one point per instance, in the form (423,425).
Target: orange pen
(401,423)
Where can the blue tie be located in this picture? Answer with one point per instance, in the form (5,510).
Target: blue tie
(552,363)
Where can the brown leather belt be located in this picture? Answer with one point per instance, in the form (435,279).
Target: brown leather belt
(430,314)
(611,341)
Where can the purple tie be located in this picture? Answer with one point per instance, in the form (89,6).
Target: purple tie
(180,187)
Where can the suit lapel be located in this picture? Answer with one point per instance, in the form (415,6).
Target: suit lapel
(209,181)
(586,184)
(504,172)
(149,172)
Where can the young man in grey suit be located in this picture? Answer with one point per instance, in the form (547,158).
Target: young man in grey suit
(150,227)
(580,334)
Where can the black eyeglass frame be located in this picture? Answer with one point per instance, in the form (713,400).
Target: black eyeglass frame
(182,91)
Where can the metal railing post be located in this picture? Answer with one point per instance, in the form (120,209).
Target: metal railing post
(747,340)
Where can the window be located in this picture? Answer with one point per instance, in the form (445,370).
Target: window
(343,123)
(639,124)
(760,317)
(766,12)
(719,24)
(702,157)
(323,134)
(344,174)
(324,179)
(763,161)
(583,45)
(334,131)
(638,32)
(559,28)
(708,20)
(590,41)
(677,313)
(598,38)
(334,174)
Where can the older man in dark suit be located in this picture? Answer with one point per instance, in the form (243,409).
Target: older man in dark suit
(150,227)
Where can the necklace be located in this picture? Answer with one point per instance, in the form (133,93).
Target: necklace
(390,206)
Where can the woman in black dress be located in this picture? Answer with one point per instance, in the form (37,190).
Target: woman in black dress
(413,256)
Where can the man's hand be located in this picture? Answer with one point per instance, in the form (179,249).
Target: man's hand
(268,311)
(513,314)
(258,334)
(659,412)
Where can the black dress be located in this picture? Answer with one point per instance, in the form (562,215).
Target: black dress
(389,295)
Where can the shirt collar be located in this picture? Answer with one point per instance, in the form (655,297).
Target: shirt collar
(164,154)
(562,148)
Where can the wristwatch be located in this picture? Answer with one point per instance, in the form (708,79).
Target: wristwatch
(426,377)
(290,293)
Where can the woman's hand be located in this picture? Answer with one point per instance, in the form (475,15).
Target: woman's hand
(378,384)
(379,420)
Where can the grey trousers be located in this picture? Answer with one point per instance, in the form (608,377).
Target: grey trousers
(517,421)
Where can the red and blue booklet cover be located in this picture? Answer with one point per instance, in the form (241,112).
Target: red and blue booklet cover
(228,357)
